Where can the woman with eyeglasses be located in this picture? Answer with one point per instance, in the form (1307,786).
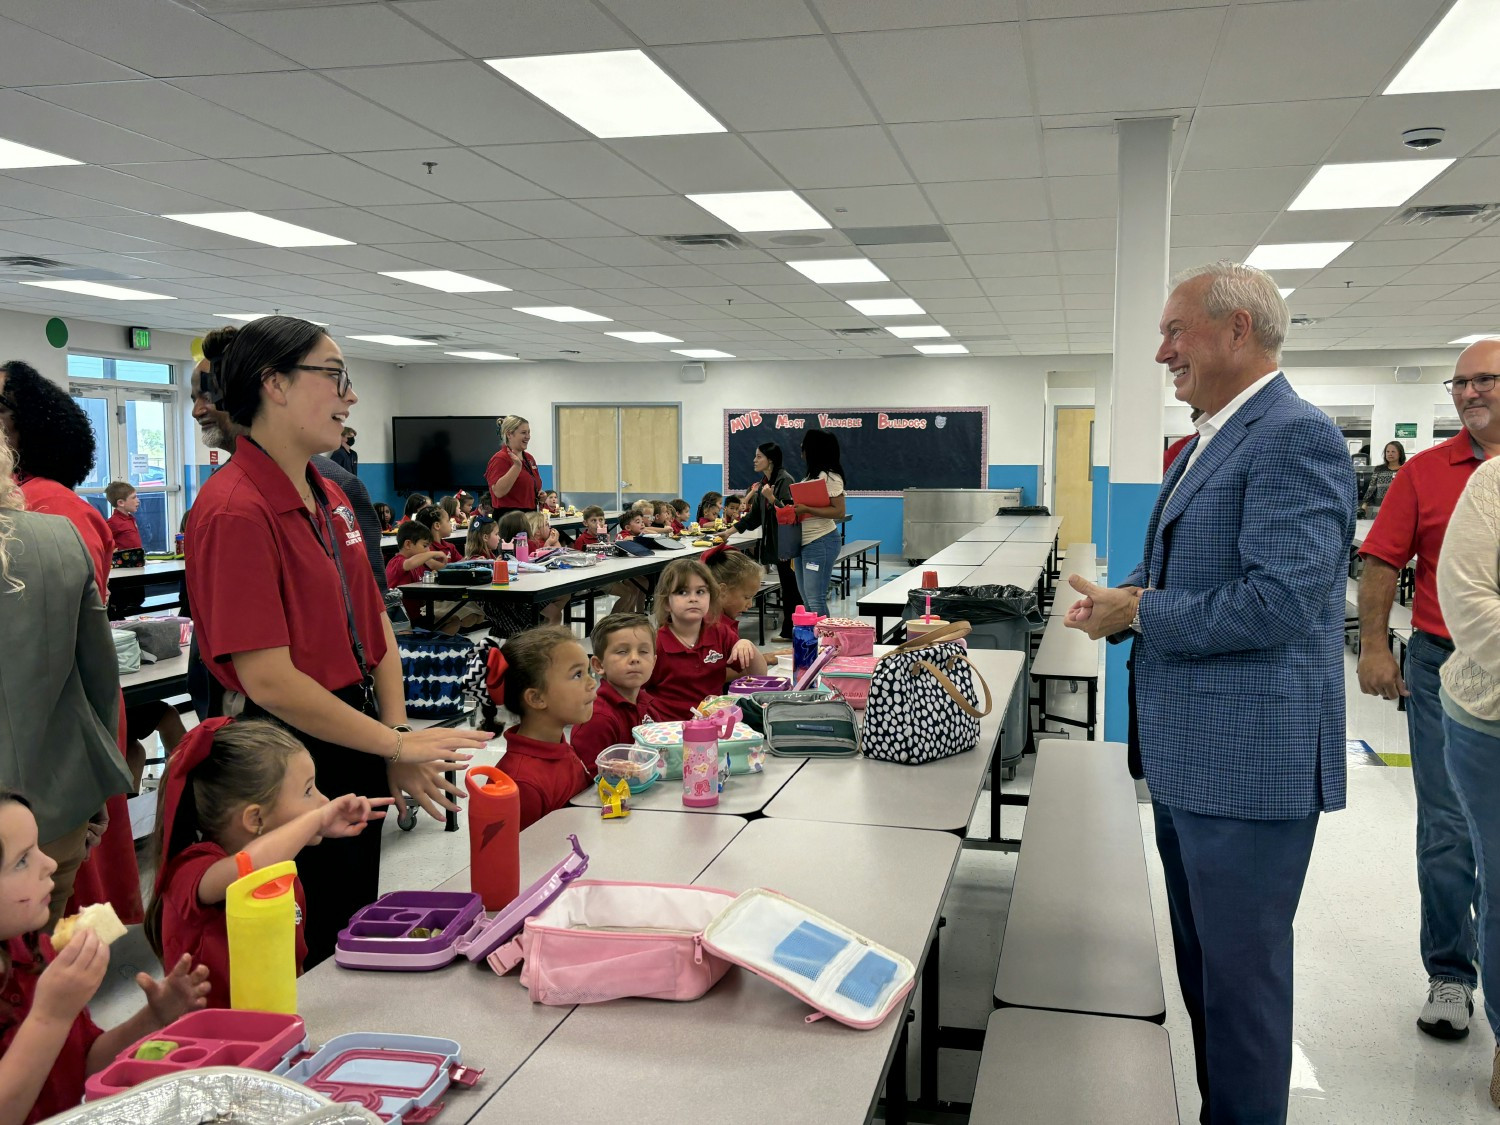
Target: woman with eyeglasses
(289,618)
(1380,480)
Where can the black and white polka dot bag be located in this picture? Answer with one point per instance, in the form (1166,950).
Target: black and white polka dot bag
(924,700)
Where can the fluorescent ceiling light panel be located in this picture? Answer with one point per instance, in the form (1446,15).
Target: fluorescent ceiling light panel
(1474,339)
(482,355)
(1458,55)
(942,349)
(95,289)
(839,271)
(749,211)
(1285,293)
(919,331)
(888,306)
(565,313)
(1295,255)
(645,337)
(261,316)
(446,280)
(1377,183)
(259,228)
(611,93)
(16,155)
(701,353)
(396,341)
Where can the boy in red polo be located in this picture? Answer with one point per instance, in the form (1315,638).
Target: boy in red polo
(624,657)
(125,501)
(414,555)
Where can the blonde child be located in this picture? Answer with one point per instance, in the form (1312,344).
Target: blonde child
(624,656)
(48,1042)
(236,787)
(542,678)
(697,652)
(540,530)
(739,578)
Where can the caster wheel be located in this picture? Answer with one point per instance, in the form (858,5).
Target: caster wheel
(1008,773)
(406,820)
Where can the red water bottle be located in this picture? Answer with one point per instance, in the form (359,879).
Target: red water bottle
(494,836)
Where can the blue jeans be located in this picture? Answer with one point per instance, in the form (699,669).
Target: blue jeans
(1474,763)
(815,571)
(1445,854)
(1232,890)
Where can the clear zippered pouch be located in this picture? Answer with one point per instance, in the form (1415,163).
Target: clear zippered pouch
(824,728)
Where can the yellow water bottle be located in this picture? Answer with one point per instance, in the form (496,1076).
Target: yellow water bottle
(261,909)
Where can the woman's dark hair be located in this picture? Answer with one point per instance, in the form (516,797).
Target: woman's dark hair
(1400,452)
(514,523)
(820,449)
(414,504)
(239,357)
(772,453)
(53,436)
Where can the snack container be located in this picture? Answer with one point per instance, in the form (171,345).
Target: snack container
(487,935)
(640,766)
(749,685)
(396,1077)
(740,745)
(850,677)
(208,1037)
(408,931)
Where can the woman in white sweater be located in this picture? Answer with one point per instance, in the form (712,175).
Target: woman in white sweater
(1468,582)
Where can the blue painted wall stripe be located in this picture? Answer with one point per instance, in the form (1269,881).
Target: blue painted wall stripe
(1129,512)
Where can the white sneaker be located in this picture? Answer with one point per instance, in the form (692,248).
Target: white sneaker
(1449,1005)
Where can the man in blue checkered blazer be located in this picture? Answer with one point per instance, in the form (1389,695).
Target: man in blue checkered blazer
(1237,615)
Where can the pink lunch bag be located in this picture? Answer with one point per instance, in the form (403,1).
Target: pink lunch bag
(851,636)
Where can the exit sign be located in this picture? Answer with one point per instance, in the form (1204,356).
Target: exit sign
(139,339)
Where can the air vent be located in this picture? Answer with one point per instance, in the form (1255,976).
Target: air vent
(1464,212)
(860,332)
(1303,322)
(228,7)
(897,236)
(29,263)
(432,338)
(704,241)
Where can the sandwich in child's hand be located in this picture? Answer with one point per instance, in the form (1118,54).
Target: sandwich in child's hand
(101,918)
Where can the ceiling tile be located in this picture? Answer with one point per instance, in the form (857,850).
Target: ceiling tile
(771,84)
(1064,8)
(31,58)
(699,163)
(892,15)
(321,37)
(1324,226)
(550,218)
(628,251)
(1085,261)
(227,184)
(117,188)
(857,156)
(450,220)
(356,225)
(533,253)
(656,214)
(574,169)
(1203,230)
(1475,180)
(458,175)
(1227,193)
(1241,136)
(31,121)
(898,205)
(971,150)
(1014,265)
(1083,197)
(1001,238)
(1408,252)
(1472,250)
(990,201)
(669,21)
(336,177)
(1091,150)
(983,72)
(1085,234)
(522,29)
(1018,286)
(927,291)
(925,269)
(1076,62)
(1467,118)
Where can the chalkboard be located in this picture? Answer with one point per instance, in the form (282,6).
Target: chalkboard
(883,451)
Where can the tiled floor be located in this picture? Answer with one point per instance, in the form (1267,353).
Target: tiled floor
(1359,1057)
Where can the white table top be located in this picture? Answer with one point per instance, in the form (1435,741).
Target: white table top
(743,795)
(1019,554)
(958,554)
(149,674)
(938,796)
(745,1052)
(165,568)
(1066,653)
(989,533)
(493,1017)
(893,593)
(1033,535)
(1005,574)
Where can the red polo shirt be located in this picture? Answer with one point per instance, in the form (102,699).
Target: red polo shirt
(523,492)
(1414,518)
(1174,449)
(684,677)
(202,932)
(43,495)
(258,575)
(63,1089)
(613,719)
(587,538)
(123,527)
(451,550)
(396,573)
(548,774)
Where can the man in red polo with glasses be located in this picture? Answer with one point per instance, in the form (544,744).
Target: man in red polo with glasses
(1412,522)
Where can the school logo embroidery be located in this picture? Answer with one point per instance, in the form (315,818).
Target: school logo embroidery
(712,656)
(352,536)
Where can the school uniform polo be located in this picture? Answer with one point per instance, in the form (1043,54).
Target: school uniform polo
(127,533)
(684,677)
(53,499)
(259,575)
(63,1088)
(528,482)
(396,573)
(612,722)
(588,539)
(450,549)
(202,931)
(548,774)
(1414,518)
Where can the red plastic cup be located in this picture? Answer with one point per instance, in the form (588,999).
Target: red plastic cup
(929,579)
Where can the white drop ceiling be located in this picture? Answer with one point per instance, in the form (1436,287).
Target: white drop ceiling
(987,121)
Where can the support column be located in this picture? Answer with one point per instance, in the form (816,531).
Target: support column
(1135,446)
(1103,389)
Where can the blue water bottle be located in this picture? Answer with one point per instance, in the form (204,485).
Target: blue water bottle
(804,642)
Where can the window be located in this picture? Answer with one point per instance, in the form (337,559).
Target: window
(122,370)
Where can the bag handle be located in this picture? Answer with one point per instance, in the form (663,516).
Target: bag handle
(958,697)
(953,631)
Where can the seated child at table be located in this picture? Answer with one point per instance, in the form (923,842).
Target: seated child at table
(633,523)
(48,1042)
(541,677)
(449,504)
(415,555)
(661,518)
(733,508)
(681,516)
(739,578)
(697,652)
(414,504)
(624,655)
(708,508)
(629,595)
(440,523)
(465,506)
(387,519)
(595,529)
(552,502)
(236,786)
(541,532)
(483,541)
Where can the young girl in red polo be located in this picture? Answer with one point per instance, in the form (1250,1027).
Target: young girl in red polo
(542,677)
(48,1042)
(697,651)
(483,541)
(235,787)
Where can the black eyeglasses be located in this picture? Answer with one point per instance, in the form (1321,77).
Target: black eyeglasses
(1481,383)
(339,375)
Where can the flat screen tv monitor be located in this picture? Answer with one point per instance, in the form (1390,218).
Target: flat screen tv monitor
(436,454)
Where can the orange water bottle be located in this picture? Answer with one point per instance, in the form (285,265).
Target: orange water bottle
(494,836)
(260,909)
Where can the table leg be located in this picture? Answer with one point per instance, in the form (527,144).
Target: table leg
(931,986)
(450,822)
(895,1082)
(760,616)
(1093,690)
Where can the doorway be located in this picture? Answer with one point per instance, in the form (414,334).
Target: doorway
(614,455)
(135,440)
(1073,473)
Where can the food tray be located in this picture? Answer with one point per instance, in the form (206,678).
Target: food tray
(380,936)
(208,1037)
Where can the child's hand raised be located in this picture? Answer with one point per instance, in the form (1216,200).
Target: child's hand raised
(348,815)
(69,983)
(743,653)
(183,990)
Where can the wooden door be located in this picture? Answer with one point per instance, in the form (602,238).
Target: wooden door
(1072,474)
(587,454)
(650,453)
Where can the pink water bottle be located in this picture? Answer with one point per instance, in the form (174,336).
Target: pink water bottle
(700,764)
(523,546)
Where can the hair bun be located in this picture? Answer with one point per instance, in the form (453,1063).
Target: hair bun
(219,341)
